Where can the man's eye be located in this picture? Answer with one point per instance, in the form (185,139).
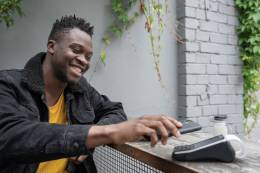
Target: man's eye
(76,50)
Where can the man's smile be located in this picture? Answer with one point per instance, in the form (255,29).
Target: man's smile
(77,69)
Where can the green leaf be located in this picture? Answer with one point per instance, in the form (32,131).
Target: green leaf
(103,56)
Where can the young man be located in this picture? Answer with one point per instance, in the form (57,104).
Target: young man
(51,118)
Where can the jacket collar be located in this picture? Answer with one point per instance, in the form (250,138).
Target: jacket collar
(33,75)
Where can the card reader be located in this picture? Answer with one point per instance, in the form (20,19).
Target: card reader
(217,148)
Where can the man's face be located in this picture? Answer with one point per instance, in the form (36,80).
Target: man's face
(71,55)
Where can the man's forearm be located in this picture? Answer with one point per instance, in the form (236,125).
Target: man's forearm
(100,135)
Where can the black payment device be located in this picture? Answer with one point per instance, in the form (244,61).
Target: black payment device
(217,148)
(187,127)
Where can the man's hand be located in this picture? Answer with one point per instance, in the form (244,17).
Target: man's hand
(147,125)
(78,159)
(134,130)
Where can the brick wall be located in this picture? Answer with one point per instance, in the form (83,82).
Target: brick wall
(210,80)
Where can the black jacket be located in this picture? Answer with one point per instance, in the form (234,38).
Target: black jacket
(26,137)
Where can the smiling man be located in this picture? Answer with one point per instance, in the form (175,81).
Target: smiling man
(51,118)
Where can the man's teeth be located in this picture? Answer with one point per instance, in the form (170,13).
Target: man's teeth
(78,69)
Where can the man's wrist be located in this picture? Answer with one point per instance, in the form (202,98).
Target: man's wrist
(99,135)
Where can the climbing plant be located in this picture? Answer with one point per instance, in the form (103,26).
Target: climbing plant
(8,8)
(154,12)
(249,42)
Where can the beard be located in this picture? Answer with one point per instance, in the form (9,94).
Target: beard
(63,76)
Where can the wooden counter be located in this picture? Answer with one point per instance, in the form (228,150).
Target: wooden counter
(160,158)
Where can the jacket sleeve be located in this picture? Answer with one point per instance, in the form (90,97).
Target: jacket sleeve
(23,140)
(106,111)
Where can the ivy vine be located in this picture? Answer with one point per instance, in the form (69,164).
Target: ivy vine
(154,12)
(8,8)
(249,42)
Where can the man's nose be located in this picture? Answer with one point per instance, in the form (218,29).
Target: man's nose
(83,60)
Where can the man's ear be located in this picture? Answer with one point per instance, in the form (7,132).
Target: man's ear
(51,46)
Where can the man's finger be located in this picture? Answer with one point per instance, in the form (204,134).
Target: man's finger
(153,136)
(176,122)
(78,159)
(159,127)
(82,158)
(172,127)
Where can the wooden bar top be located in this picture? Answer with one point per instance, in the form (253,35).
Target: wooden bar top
(160,158)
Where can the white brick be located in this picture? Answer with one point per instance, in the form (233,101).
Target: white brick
(192,46)
(209,47)
(210,5)
(190,12)
(234,60)
(213,6)
(239,109)
(223,1)
(192,3)
(227,109)
(209,26)
(191,79)
(239,89)
(202,4)
(218,38)
(212,89)
(195,89)
(187,101)
(217,17)
(210,110)
(218,79)
(219,59)
(218,99)
(230,2)
(202,79)
(202,101)
(200,14)
(235,99)
(191,23)
(190,34)
(226,89)
(235,79)
(230,69)
(202,36)
(226,29)
(194,111)
(190,57)
(232,20)
(233,39)
(212,69)
(195,69)
(230,10)
(228,49)
(203,58)
(218,48)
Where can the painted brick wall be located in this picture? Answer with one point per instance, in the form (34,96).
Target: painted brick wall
(210,80)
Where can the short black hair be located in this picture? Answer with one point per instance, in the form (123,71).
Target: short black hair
(67,23)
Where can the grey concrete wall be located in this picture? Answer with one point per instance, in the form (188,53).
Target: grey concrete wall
(210,80)
(129,75)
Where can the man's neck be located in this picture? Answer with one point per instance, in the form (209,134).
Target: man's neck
(52,86)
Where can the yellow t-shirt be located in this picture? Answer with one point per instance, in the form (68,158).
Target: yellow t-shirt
(57,115)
